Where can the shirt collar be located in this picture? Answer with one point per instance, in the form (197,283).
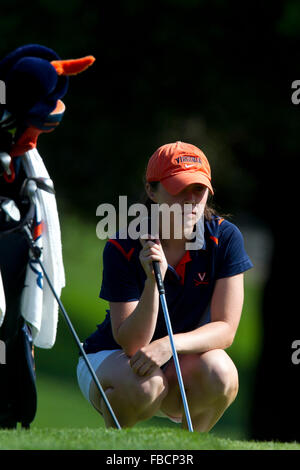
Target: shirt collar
(179,270)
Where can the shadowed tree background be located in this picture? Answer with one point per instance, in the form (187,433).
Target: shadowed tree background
(214,73)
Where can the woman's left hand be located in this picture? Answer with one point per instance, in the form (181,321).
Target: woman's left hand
(153,355)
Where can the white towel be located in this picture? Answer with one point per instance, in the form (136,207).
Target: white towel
(38,305)
(33,291)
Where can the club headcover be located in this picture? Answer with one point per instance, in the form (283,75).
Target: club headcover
(36,79)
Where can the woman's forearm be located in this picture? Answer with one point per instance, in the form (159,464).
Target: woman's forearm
(138,329)
(214,335)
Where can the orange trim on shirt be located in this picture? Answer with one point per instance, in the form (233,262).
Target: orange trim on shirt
(180,267)
(215,239)
(220,221)
(117,244)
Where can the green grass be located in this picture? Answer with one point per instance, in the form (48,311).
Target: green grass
(151,438)
(61,405)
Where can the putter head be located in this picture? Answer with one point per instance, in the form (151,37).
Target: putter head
(11,210)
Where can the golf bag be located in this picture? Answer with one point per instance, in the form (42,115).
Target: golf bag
(18,396)
(35,79)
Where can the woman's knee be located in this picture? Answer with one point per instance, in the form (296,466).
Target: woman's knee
(137,398)
(218,375)
(147,390)
(211,375)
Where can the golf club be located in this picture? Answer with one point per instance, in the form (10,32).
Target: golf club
(31,184)
(10,210)
(161,290)
(37,253)
(5,160)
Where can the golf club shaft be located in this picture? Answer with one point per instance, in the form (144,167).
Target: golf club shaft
(163,301)
(83,353)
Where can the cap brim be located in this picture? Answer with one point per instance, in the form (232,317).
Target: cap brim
(176,183)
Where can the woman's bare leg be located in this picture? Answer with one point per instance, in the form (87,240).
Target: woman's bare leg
(211,384)
(133,398)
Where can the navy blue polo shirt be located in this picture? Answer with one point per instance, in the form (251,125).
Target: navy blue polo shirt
(189,286)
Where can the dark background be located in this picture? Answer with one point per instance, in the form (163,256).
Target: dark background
(214,73)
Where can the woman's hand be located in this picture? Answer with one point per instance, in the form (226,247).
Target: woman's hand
(151,356)
(152,251)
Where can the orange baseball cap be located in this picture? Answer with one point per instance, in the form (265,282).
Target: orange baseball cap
(178,165)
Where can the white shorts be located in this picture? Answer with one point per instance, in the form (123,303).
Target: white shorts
(85,379)
(84,376)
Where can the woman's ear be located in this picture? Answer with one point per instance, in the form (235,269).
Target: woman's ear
(150,192)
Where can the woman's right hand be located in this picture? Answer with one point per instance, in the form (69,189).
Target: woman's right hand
(152,251)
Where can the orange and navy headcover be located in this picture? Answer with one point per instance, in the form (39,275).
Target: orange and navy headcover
(36,79)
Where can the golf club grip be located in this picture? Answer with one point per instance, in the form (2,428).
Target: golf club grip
(159,280)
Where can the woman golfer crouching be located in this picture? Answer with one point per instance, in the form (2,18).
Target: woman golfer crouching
(130,351)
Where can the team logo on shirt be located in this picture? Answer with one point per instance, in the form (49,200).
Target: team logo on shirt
(202,279)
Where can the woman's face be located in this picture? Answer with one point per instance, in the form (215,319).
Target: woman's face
(192,200)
